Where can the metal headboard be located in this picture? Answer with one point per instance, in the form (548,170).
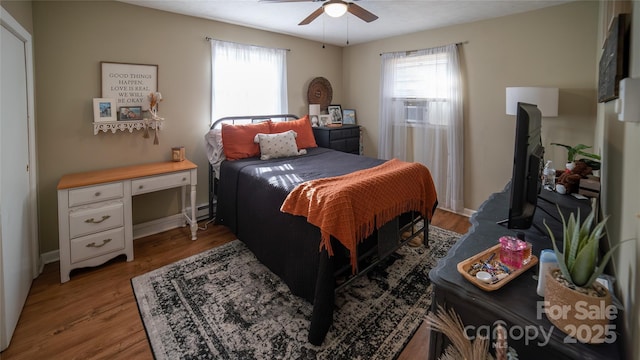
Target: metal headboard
(248,119)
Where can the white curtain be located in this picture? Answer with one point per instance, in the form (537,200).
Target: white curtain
(247,80)
(421,116)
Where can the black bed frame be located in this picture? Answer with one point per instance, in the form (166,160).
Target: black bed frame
(389,236)
(232,120)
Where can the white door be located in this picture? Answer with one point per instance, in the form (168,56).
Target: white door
(17,231)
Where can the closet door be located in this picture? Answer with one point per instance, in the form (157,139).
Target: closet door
(18,236)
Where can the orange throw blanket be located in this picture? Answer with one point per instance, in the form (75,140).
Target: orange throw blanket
(350,207)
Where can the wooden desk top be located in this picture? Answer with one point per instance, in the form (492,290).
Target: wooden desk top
(123,173)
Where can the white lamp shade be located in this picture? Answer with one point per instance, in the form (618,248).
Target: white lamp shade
(335,9)
(545,98)
(314,109)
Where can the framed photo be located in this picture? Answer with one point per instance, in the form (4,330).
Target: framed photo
(614,62)
(104,109)
(325,120)
(349,116)
(130,113)
(129,84)
(336,114)
(315,120)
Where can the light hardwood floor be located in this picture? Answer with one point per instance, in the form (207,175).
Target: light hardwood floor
(95,316)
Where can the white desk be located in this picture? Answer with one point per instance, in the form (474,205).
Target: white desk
(94,210)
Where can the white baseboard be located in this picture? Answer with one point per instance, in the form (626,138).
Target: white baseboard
(49,257)
(465,212)
(468,212)
(145,229)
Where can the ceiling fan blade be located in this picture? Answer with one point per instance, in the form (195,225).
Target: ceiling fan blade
(312,17)
(360,12)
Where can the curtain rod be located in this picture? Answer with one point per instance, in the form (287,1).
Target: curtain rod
(233,42)
(410,51)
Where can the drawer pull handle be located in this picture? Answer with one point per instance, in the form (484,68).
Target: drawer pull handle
(93,245)
(93,221)
(140,187)
(97,193)
(184,179)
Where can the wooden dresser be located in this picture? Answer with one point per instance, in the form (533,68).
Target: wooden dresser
(94,210)
(516,306)
(345,138)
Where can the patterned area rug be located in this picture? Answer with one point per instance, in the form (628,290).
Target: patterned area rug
(224,304)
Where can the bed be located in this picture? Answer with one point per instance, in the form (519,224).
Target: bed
(250,192)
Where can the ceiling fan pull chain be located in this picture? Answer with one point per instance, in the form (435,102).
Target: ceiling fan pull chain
(323,21)
(347,30)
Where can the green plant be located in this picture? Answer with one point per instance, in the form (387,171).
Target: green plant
(574,151)
(581,244)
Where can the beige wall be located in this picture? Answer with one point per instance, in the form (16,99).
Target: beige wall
(620,192)
(21,11)
(71,38)
(551,47)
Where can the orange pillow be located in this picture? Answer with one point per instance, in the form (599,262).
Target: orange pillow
(301,126)
(238,142)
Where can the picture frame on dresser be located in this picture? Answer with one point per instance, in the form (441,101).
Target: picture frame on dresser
(325,120)
(336,113)
(104,109)
(315,120)
(349,116)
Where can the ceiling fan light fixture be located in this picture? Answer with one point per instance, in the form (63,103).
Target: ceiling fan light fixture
(335,9)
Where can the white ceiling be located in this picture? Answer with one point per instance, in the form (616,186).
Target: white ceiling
(396,17)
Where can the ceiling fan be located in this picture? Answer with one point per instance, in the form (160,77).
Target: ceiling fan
(335,8)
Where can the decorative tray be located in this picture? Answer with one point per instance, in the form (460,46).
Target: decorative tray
(465,265)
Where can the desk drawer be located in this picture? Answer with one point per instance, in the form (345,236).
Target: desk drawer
(93,219)
(97,193)
(97,244)
(156,183)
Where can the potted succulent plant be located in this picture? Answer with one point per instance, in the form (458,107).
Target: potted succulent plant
(573,152)
(585,304)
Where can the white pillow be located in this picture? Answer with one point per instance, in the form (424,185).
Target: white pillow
(273,146)
(215,151)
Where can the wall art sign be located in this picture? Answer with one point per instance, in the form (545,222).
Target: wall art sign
(129,84)
(614,63)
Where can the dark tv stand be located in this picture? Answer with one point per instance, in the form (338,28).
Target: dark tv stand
(548,198)
(505,223)
(516,303)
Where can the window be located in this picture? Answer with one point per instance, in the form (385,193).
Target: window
(421,116)
(247,80)
(420,86)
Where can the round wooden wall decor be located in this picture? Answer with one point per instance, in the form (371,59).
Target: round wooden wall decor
(320,92)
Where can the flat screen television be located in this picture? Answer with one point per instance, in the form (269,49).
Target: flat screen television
(528,155)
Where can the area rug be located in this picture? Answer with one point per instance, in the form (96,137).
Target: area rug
(224,304)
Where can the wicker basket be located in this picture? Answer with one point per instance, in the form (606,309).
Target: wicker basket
(581,316)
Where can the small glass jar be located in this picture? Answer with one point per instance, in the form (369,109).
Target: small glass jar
(514,252)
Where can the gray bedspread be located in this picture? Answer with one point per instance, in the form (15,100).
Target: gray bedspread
(250,193)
